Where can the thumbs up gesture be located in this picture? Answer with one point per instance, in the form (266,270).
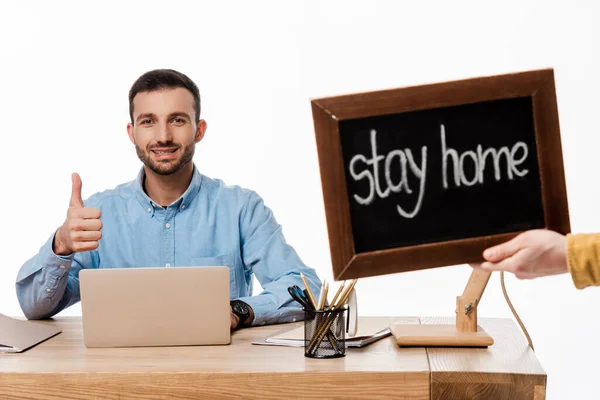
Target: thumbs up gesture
(81,230)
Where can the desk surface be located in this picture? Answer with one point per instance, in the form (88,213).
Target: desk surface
(63,367)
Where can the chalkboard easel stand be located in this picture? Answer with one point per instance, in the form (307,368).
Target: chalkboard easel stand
(465,333)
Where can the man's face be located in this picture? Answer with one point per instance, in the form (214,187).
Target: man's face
(165,131)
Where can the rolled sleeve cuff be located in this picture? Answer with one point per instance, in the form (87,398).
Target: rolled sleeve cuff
(262,307)
(583,259)
(53,265)
(54,260)
(56,267)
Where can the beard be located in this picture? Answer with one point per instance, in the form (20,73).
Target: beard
(166,167)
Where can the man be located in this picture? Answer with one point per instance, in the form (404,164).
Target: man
(171,215)
(538,253)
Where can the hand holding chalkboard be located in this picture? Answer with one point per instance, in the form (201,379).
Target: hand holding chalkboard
(429,176)
(531,254)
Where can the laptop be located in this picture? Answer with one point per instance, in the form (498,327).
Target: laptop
(177,306)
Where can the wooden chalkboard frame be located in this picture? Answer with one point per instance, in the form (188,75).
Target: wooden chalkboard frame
(327,114)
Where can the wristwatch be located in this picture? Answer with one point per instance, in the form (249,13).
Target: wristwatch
(241,309)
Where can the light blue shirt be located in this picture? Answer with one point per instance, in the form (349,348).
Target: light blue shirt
(210,224)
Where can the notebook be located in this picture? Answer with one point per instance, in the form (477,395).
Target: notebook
(366,334)
(175,306)
(18,335)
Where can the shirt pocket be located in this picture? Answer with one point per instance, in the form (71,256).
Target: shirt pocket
(227,260)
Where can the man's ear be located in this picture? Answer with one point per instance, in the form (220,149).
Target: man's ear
(200,131)
(130,132)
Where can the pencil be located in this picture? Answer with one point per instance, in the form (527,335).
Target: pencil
(321,293)
(344,297)
(310,294)
(324,295)
(337,294)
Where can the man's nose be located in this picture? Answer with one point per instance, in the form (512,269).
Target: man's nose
(163,133)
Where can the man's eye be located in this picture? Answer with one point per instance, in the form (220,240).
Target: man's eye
(179,120)
(146,121)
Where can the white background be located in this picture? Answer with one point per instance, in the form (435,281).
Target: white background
(66,68)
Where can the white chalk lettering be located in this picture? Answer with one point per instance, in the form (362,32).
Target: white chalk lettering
(479,161)
(403,178)
(445,153)
(463,177)
(496,158)
(374,161)
(421,174)
(406,161)
(515,163)
(357,177)
(506,162)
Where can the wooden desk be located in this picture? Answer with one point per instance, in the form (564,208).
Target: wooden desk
(63,368)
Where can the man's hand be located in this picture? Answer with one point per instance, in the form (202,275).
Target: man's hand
(235,320)
(531,254)
(81,230)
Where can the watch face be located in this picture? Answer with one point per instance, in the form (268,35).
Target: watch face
(240,307)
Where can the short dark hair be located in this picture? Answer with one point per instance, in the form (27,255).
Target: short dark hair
(160,79)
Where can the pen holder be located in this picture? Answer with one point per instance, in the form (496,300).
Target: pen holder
(325,333)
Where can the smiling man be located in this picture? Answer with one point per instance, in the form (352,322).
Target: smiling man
(170,216)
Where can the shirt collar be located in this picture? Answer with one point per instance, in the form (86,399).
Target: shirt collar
(183,202)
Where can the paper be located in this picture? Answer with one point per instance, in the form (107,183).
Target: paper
(366,334)
(18,335)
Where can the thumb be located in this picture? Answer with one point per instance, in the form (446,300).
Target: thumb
(502,251)
(76,200)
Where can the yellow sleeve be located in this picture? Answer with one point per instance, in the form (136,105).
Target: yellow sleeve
(583,259)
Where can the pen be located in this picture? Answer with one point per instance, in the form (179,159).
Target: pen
(294,291)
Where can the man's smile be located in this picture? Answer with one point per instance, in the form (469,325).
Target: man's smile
(164,153)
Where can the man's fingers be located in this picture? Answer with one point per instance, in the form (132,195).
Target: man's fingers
(81,231)
(233,319)
(85,246)
(76,200)
(85,236)
(86,225)
(502,251)
(85,213)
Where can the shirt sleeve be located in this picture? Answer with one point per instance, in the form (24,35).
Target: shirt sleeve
(48,283)
(583,259)
(275,264)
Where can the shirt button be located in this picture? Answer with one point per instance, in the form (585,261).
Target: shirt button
(167,265)
(149,209)
(48,290)
(62,267)
(167,225)
(293,319)
(183,206)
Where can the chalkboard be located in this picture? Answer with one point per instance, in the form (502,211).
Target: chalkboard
(429,176)
(465,171)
